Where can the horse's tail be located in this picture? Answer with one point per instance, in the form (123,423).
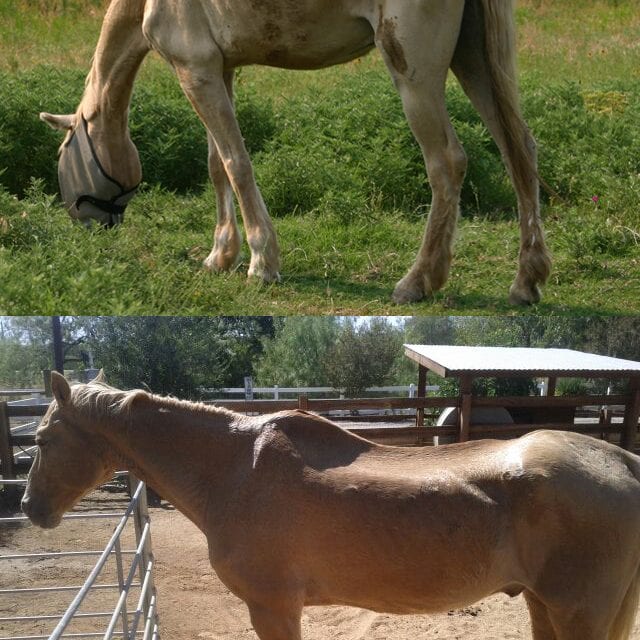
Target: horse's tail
(623,622)
(500,54)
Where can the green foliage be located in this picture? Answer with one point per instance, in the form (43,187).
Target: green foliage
(177,355)
(296,356)
(351,147)
(170,138)
(28,147)
(25,351)
(572,387)
(588,151)
(363,356)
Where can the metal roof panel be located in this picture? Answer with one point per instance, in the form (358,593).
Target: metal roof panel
(459,360)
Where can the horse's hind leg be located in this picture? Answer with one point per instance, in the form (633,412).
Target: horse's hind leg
(566,622)
(472,69)
(402,32)
(541,628)
(227,236)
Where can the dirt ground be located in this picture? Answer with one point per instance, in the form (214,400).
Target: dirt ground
(193,603)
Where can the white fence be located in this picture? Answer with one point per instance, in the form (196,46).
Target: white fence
(140,622)
(276,391)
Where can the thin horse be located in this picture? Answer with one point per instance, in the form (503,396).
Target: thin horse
(299,512)
(206,40)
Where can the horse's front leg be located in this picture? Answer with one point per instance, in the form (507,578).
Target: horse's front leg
(277,623)
(227,238)
(203,83)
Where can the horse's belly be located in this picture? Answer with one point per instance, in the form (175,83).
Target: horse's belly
(303,40)
(412,554)
(406,598)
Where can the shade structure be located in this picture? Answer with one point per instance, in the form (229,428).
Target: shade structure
(457,361)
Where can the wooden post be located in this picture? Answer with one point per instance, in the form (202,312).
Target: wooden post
(631,416)
(46,377)
(464,415)
(551,386)
(58,346)
(7,466)
(303,402)
(422,392)
(605,418)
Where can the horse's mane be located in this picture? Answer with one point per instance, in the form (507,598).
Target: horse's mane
(100,398)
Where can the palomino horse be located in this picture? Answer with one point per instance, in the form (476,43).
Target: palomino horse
(299,512)
(205,40)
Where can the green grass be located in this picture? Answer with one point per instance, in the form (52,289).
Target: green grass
(340,173)
(152,264)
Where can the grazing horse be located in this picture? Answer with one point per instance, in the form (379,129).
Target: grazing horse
(298,511)
(206,40)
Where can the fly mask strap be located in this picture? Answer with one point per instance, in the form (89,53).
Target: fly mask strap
(89,191)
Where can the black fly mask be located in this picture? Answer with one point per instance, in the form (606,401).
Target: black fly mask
(87,190)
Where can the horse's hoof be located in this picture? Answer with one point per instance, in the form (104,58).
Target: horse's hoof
(265,275)
(524,296)
(409,289)
(218,263)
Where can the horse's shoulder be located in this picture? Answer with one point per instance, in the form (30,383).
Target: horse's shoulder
(309,438)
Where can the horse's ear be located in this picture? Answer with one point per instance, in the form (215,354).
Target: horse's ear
(60,388)
(64,123)
(100,377)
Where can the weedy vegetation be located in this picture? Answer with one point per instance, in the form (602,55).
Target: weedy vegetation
(341,175)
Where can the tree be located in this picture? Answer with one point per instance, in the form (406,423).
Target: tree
(177,355)
(26,348)
(430,330)
(297,354)
(364,355)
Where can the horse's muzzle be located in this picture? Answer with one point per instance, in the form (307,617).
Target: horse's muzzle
(38,516)
(107,213)
(89,193)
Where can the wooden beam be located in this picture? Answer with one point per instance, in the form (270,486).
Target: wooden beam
(7,462)
(493,430)
(27,411)
(6,448)
(422,392)
(549,401)
(631,416)
(464,418)
(551,385)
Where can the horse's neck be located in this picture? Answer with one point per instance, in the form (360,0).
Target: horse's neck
(179,450)
(120,51)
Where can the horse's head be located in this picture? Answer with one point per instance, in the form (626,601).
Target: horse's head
(93,189)
(70,460)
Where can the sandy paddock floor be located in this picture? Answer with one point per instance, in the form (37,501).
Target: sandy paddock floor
(194,604)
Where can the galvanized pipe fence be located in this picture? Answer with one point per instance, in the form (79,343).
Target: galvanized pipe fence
(134,570)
